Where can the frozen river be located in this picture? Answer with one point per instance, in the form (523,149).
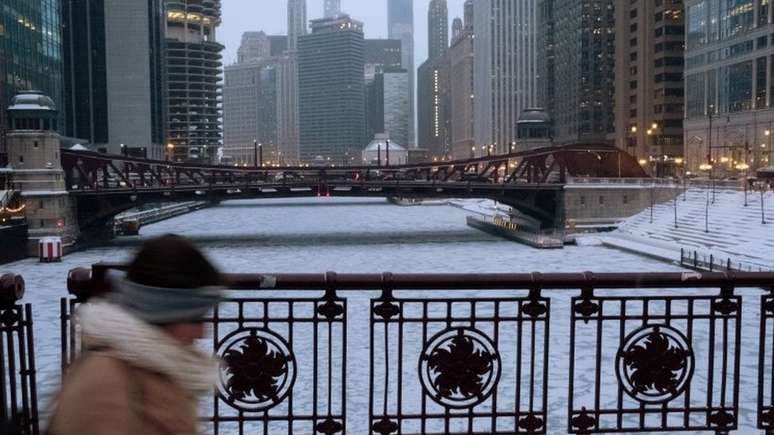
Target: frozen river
(318,235)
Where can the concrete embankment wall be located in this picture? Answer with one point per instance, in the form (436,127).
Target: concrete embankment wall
(599,204)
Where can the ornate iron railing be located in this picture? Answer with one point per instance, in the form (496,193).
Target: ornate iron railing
(469,354)
(18,392)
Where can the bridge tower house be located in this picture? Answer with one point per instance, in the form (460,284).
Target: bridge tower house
(35,160)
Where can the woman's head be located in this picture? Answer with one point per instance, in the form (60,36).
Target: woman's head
(170,283)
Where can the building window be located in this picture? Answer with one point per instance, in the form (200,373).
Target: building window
(601,200)
(582,200)
(626,199)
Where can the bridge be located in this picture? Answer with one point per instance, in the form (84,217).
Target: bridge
(530,181)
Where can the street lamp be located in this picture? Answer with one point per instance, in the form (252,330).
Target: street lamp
(744,167)
(170,151)
(679,161)
(708,168)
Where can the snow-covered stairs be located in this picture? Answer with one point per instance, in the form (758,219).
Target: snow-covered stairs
(733,231)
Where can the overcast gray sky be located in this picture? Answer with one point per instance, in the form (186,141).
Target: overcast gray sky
(271,17)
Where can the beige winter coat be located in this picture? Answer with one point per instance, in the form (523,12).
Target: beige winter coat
(102,395)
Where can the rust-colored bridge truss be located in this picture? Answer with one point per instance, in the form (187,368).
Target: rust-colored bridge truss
(529,181)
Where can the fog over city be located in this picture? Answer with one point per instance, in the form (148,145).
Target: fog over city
(271,16)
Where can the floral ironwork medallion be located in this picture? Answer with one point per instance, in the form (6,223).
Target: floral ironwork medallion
(655,364)
(258,369)
(459,367)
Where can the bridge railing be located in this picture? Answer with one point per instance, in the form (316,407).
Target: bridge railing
(460,354)
(18,387)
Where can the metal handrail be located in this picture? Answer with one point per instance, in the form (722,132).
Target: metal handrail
(82,282)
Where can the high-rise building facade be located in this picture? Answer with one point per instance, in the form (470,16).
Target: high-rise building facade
(387,93)
(649,105)
(457,28)
(114,74)
(30,53)
(583,78)
(194,76)
(729,81)
(381,55)
(259,45)
(254,46)
(462,99)
(287,107)
(387,106)
(433,107)
(296,22)
(433,77)
(288,134)
(546,60)
(437,29)
(400,25)
(331,8)
(505,65)
(331,62)
(250,111)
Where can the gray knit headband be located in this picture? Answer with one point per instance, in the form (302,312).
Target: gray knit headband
(159,305)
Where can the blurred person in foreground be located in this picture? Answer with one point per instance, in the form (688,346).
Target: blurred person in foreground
(140,371)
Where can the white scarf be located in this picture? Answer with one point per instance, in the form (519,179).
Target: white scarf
(146,346)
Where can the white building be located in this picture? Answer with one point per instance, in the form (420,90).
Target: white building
(382,151)
(505,66)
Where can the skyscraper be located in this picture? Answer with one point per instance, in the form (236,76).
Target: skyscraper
(250,110)
(332,8)
(254,45)
(583,79)
(457,28)
(296,22)
(400,25)
(114,75)
(287,83)
(461,100)
(194,87)
(546,62)
(30,53)
(433,76)
(381,55)
(729,85)
(649,82)
(387,106)
(433,110)
(387,103)
(332,89)
(437,29)
(505,67)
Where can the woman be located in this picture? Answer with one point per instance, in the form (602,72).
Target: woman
(140,372)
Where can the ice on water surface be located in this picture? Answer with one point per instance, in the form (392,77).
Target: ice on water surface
(342,235)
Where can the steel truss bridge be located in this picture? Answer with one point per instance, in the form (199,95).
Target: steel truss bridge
(531,181)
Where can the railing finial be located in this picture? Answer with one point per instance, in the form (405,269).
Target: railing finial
(11,289)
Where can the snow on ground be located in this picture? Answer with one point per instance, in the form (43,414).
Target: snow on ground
(726,228)
(323,234)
